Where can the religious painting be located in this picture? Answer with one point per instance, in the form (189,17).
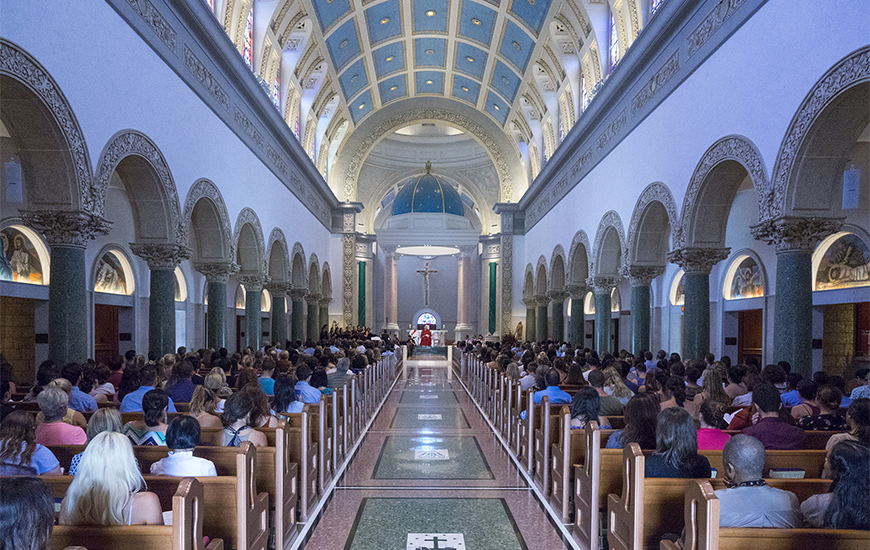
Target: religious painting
(845,264)
(111,276)
(615,302)
(180,285)
(747,281)
(240,297)
(20,260)
(679,293)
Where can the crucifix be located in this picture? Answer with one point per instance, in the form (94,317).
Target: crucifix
(435,540)
(426,274)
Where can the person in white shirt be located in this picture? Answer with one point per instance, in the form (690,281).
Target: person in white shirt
(182,437)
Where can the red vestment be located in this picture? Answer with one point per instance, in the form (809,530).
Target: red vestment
(426,337)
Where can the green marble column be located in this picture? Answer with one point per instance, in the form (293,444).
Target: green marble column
(640,318)
(575,323)
(603,322)
(558,301)
(279,315)
(253,305)
(161,312)
(697,263)
(297,329)
(361,293)
(216,275)
(542,331)
(531,328)
(324,314)
(793,310)
(313,329)
(67,305)
(493,290)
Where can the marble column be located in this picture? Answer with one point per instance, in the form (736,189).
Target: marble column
(602,288)
(313,330)
(641,276)
(463,326)
(323,314)
(162,260)
(697,263)
(391,290)
(558,299)
(67,234)
(542,330)
(278,335)
(216,276)
(297,318)
(795,239)
(253,308)
(531,321)
(577,292)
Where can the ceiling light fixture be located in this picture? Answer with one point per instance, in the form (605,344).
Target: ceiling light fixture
(385,20)
(354,77)
(469,58)
(475,20)
(430,13)
(393,88)
(343,43)
(428,82)
(430,51)
(465,88)
(361,105)
(497,108)
(389,58)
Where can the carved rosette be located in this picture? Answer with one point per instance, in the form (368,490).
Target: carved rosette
(216,272)
(64,228)
(348,261)
(698,260)
(641,275)
(278,289)
(791,233)
(507,278)
(254,282)
(602,284)
(161,255)
(578,291)
(298,294)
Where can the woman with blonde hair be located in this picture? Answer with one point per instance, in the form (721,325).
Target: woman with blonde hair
(108,489)
(202,408)
(614,386)
(107,419)
(71,416)
(713,389)
(216,381)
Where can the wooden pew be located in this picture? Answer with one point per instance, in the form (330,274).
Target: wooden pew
(323,436)
(701,517)
(594,480)
(545,435)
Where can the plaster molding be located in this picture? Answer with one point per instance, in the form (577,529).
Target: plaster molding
(253,282)
(580,238)
(654,192)
(603,284)
(248,216)
(610,219)
(276,237)
(641,275)
(205,189)
(507,280)
(348,257)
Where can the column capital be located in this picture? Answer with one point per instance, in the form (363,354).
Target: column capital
(602,284)
(277,289)
(324,300)
(66,228)
(161,255)
(578,290)
(297,294)
(557,296)
(253,281)
(793,233)
(216,272)
(641,275)
(467,251)
(697,259)
(312,299)
(389,249)
(530,302)
(542,299)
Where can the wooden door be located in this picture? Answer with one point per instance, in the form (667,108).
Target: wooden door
(240,333)
(105,333)
(750,335)
(614,336)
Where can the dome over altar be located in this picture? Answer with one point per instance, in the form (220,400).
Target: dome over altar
(427,193)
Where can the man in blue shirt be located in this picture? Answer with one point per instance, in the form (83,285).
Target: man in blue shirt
(792,398)
(78,400)
(132,402)
(267,383)
(556,396)
(182,390)
(304,392)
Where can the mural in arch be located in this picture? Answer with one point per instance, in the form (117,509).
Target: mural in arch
(747,281)
(114,274)
(844,264)
(20,259)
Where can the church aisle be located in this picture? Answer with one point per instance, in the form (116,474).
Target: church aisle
(430,474)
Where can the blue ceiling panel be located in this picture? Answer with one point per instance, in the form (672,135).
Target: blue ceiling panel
(344,44)
(531,12)
(516,46)
(496,107)
(354,79)
(393,88)
(361,106)
(430,52)
(430,16)
(470,60)
(330,11)
(505,81)
(429,82)
(384,21)
(389,59)
(476,22)
(465,89)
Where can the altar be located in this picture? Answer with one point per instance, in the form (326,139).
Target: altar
(439,337)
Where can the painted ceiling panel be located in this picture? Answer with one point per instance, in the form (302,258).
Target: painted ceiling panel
(330,11)
(429,82)
(531,12)
(496,107)
(505,81)
(430,52)
(384,21)
(361,106)
(476,22)
(393,88)
(389,59)
(516,46)
(344,44)
(354,79)
(470,60)
(430,16)
(465,89)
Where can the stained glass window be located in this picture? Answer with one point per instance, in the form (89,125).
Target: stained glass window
(614,43)
(248,45)
(276,89)
(311,150)
(296,119)
(655,5)
(427,319)
(210,4)
(584,97)
(563,112)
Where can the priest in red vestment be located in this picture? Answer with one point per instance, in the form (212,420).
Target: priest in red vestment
(426,337)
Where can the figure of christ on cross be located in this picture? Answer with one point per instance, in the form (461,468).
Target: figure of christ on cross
(435,540)
(426,272)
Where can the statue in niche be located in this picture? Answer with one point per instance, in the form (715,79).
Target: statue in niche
(519,331)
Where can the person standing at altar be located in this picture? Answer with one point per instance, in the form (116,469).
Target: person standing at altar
(426,337)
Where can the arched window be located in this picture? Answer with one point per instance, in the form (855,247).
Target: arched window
(615,301)
(114,275)
(25,258)
(240,297)
(311,150)
(584,97)
(265,301)
(614,42)
(248,40)
(427,319)
(276,89)
(296,110)
(563,112)
(210,4)
(655,5)
(589,304)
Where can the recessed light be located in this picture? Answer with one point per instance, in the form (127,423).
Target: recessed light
(393,88)
(385,20)
(475,20)
(505,80)
(430,13)
(354,77)
(361,105)
(343,43)
(428,82)
(465,88)
(469,58)
(517,46)
(497,108)
(430,51)
(389,58)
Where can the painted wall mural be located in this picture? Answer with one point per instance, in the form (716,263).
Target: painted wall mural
(111,275)
(747,281)
(845,264)
(20,260)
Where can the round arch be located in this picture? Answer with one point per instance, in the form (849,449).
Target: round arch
(278,266)
(609,245)
(557,269)
(541,282)
(652,223)
(207,224)
(249,245)
(298,267)
(313,275)
(579,266)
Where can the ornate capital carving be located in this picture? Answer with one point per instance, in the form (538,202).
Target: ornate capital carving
(577,291)
(557,296)
(216,272)
(542,300)
(641,275)
(325,301)
(698,260)
(467,251)
(530,302)
(277,289)
(253,282)
(65,228)
(389,250)
(312,299)
(161,255)
(792,233)
(298,294)
(602,284)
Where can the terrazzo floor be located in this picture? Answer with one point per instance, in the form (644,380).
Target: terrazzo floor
(430,469)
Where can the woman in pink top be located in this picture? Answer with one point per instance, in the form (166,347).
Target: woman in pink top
(54,431)
(710,436)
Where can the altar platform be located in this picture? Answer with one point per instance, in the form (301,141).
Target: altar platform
(435,357)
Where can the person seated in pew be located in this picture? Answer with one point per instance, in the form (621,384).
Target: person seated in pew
(676,452)
(673,394)
(641,417)
(20,454)
(202,408)
(151,430)
(108,488)
(237,422)
(266,380)
(26,514)
(71,416)
(133,401)
(847,505)
(304,391)
(53,430)
(107,419)
(809,405)
(182,437)
(320,381)
(614,385)
(828,397)
(103,391)
(610,406)
(858,420)
(774,432)
(180,388)
(710,436)
(552,391)
(747,501)
(585,407)
(285,401)
(260,415)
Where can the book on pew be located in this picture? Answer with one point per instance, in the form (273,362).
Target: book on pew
(787,473)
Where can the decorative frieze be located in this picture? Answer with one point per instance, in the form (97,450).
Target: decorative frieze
(791,233)
(65,228)
(161,255)
(347,288)
(711,23)
(156,22)
(216,272)
(697,259)
(247,126)
(612,129)
(507,281)
(656,82)
(204,76)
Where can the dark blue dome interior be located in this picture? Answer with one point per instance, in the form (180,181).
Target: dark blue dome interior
(428,194)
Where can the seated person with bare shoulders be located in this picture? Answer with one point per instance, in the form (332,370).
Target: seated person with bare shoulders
(108,488)
(748,501)
(237,420)
(847,504)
